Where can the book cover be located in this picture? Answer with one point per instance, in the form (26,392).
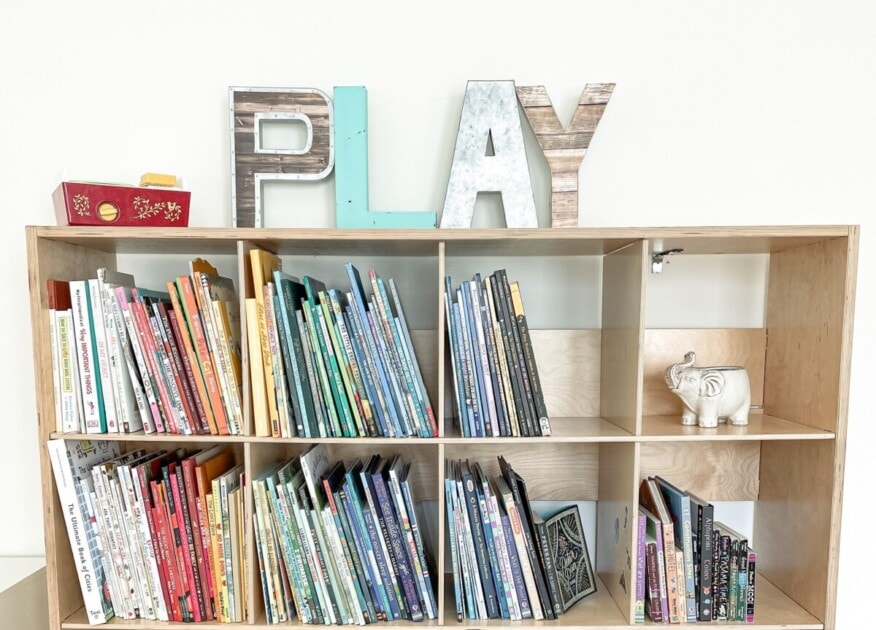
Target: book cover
(651,497)
(86,355)
(705,514)
(641,563)
(263,264)
(557,595)
(568,549)
(71,461)
(654,535)
(506,500)
(518,489)
(750,591)
(679,505)
(290,292)
(654,602)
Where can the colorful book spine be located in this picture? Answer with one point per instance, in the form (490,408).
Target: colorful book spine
(750,590)
(641,561)
(86,354)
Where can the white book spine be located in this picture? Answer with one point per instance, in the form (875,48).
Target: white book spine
(122,604)
(499,539)
(102,364)
(474,291)
(148,546)
(123,300)
(322,593)
(469,545)
(85,356)
(343,568)
(92,593)
(68,368)
(233,401)
(126,401)
(525,566)
(184,424)
(142,419)
(131,545)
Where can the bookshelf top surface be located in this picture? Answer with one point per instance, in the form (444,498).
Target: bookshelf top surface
(476,241)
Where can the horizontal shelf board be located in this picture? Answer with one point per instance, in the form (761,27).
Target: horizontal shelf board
(489,241)
(403,624)
(760,427)
(596,610)
(562,430)
(80,620)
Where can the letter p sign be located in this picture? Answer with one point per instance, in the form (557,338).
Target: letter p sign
(254,160)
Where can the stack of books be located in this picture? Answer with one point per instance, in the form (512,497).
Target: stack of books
(506,558)
(691,568)
(127,359)
(156,536)
(341,544)
(496,385)
(327,363)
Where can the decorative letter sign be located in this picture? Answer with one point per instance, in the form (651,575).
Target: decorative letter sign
(351,169)
(564,149)
(489,114)
(252,163)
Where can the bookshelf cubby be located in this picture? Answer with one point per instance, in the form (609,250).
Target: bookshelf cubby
(613,420)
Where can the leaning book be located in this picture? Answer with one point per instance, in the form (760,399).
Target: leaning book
(72,460)
(571,559)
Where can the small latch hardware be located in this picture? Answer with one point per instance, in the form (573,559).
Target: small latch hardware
(657,259)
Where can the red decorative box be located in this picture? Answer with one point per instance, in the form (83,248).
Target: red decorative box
(84,203)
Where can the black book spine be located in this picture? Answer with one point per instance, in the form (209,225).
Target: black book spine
(522,502)
(506,322)
(543,423)
(528,400)
(705,524)
(550,570)
(750,591)
(480,544)
(716,544)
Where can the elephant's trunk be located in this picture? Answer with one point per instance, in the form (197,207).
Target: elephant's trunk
(673,372)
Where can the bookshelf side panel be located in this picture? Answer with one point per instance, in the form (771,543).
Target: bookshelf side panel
(616,522)
(806,313)
(54,260)
(623,302)
(794,520)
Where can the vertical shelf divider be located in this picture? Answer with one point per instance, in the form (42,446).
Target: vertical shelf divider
(621,391)
(442,251)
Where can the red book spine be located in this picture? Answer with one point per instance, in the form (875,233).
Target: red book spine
(140,479)
(203,351)
(191,492)
(186,370)
(163,530)
(175,550)
(147,342)
(185,552)
(186,542)
(179,376)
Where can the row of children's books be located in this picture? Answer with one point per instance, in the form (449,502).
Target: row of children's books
(690,566)
(155,535)
(506,558)
(128,359)
(341,544)
(496,384)
(332,363)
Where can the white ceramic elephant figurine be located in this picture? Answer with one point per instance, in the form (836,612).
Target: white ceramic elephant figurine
(710,394)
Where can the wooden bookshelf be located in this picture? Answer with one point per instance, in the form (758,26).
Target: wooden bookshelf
(613,420)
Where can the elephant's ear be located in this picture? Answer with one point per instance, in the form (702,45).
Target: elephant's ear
(711,383)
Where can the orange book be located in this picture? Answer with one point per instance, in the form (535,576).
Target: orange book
(264,264)
(193,358)
(204,475)
(193,320)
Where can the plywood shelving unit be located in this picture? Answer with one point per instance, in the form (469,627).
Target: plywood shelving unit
(613,420)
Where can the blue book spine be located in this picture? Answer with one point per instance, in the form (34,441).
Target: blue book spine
(469,368)
(474,356)
(358,348)
(296,373)
(370,368)
(454,552)
(466,419)
(383,565)
(418,541)
(286,357)
(480,545)
(516,570)
(492,353)
(495,567)
(397,548)
(399,396)
(363,549)
(361,312)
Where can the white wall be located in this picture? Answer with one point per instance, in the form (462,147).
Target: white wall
(748,112)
